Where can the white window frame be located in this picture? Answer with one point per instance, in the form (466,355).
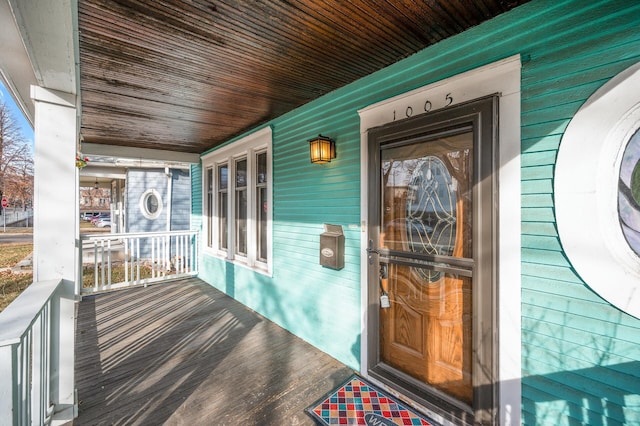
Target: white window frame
(143,204)
(247,147)
(586,191)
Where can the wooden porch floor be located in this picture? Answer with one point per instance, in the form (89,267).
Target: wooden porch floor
(183,353)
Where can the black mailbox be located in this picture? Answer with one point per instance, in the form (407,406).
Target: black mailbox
(332,247)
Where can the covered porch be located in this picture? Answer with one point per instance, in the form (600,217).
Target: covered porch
(185,353)
(172,81)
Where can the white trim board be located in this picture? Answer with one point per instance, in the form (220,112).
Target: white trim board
(586,191)
(246,147)
(138,153)
(502,77)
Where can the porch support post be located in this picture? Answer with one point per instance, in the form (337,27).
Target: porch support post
(55,230)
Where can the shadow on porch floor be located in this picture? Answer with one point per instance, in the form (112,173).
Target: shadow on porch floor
(185,353)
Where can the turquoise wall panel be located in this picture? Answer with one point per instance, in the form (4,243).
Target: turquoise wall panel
(196,197)
(580,355)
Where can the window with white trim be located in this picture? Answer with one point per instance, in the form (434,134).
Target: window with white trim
(594,197)
(151,204)
(237,201)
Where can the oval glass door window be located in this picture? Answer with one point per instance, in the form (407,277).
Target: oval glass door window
(431,212)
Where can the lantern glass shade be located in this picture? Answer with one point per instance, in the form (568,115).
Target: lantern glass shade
(322,149)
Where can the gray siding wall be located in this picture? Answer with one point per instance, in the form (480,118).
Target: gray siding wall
(180,200)
(139,181)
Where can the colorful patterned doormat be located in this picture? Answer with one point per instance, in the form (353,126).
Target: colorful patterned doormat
(357,402)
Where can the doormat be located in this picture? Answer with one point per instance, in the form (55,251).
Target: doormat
(357,402)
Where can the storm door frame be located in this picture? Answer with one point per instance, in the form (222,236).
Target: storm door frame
(502,77)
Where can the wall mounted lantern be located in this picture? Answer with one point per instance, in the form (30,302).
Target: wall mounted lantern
(322,149)
(95,186)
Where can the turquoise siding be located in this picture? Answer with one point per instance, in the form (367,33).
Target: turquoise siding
(581,359)
(196,197)
(580,355)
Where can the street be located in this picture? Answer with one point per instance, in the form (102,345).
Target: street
(9,237)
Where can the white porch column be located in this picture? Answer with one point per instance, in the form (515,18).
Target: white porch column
(55,230)
(55,185)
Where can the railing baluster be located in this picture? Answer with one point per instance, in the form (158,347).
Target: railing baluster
(132,264)
(47,365)
(95,265)
(167,253)
(181,238)
(26,377)
(163,248)
(159,257)
(102,271)
(38,361)
(153,257)
(137,260)
(126,260)
(109,263)
(185,260)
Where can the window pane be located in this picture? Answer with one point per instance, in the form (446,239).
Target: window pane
(209,212)
(262,224)
(241,207)
(241,222)
(241,173)
(152,204)
(223,171)
(428,197)
(222,220)
(261,206)
(222,207)
(261,160)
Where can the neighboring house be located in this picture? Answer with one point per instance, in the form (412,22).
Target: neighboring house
(157,200)
(92,199)
(487,188)
(140,199)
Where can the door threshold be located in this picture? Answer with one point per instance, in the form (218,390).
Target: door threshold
(429,403)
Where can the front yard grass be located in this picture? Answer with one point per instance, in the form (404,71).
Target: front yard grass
(12,284)
(117,274)
(11,254)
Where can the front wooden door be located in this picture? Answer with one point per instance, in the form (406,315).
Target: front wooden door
(431,255)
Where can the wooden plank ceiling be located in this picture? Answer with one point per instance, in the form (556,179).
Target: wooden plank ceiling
(187,75)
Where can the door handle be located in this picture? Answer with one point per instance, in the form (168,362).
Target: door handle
(371,251)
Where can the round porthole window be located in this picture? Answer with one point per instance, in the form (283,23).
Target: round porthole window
(151,204)
(629,193)
(597,191)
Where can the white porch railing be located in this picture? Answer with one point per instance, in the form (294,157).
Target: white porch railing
(111,261)
(36,362)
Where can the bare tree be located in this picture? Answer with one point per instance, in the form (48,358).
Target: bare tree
(16,161)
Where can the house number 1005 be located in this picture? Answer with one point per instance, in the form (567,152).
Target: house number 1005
(428,106)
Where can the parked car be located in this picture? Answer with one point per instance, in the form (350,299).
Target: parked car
(87,216)
(100,216)
(104,223)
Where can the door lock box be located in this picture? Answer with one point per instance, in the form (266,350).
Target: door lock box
(332,247)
